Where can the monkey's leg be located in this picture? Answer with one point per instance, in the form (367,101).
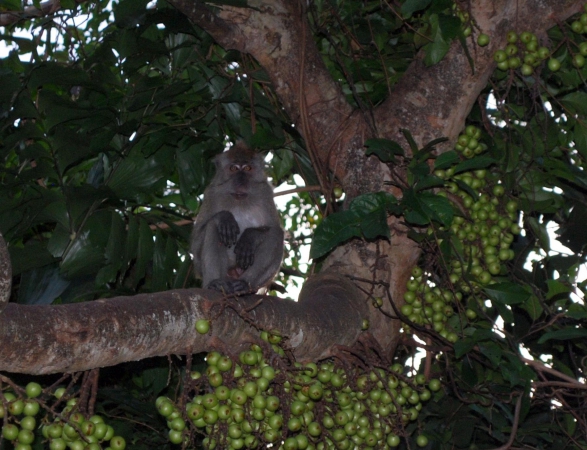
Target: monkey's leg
(259,251)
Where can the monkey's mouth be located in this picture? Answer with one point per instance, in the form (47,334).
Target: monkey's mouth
(239,195)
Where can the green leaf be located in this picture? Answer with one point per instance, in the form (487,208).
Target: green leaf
(435,50)
(446,160)
(563,335)
(540,231)
(424,207)
(507,293)
(41,286)
(428,182)
(368,203)
(478,162)
(374,225)
(282,163)
(492,351)
(464,346)
(144,251)
(384,149)
(575,102)
(409,7)
(190,164)
(334,230)
(577,311)
(135,174)
(533,307)
(130,12)
(580,137)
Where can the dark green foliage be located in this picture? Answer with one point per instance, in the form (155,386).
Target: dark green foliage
(105,143)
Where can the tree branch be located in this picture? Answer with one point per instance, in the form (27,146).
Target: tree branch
(82,336)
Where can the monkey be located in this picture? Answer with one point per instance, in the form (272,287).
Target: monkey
(237,239)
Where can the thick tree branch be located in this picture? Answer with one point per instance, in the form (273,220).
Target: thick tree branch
(81,336)
(434,101)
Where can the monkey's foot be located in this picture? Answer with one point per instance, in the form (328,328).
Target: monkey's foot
(231,286)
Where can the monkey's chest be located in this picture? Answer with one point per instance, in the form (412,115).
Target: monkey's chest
(250,217)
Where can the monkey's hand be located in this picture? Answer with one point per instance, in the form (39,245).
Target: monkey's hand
(230,286)
(227,227)
(247,245)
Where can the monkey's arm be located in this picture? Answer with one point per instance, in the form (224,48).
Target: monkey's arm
(227,226)
(211,239)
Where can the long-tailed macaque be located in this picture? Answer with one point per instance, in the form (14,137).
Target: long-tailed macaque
(237,241)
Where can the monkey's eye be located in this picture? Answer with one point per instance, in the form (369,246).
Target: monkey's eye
(234,168)
(247,168)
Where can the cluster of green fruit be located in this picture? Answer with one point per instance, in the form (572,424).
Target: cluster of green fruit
(303,407)
(580,26)
(481,239)
(523,52)
(465,19)
(69,430)
(468,144)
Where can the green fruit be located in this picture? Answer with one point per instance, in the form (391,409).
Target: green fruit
(554,64)
(109,433)
(224,364)
(434,385)
(314,429)
(543,53)
(28,423)
(177,424)
(26,436)
(499,56)
(526,37)
(302,441)
(117,443)
(58,444)
(421,441)
(210,417)
(512,37)
(249,358)
(16,407)
(175,437)
(165,408)
(33,389)
(577,27)
(10,432)
(212,358)
(483,40)
(393,440)
(59,392)
(100,430)
(31,408)
(526,70)
(578,61)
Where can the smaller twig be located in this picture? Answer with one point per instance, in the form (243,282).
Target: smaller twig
(543,368)
(299,189)
(512,438)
